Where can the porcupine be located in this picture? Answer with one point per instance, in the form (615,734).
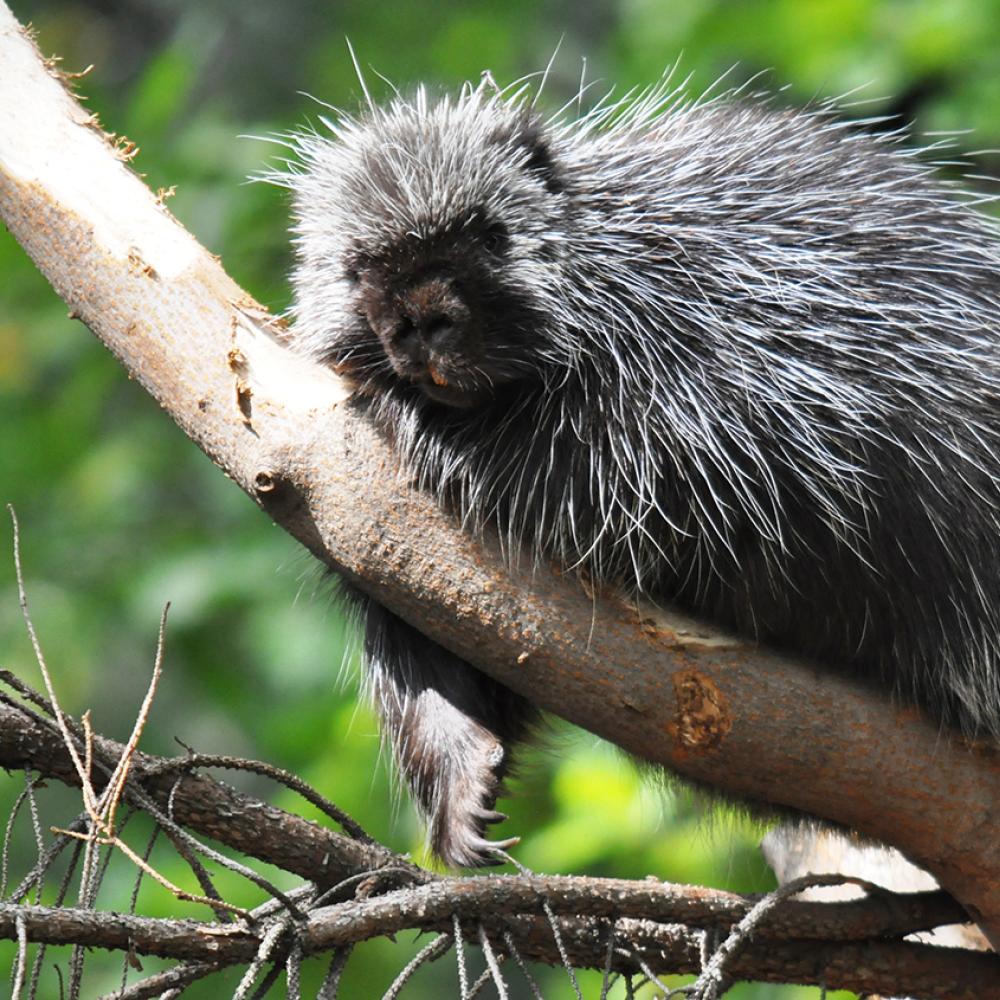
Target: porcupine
(729,356)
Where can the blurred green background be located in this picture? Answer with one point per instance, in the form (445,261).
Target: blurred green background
(120,513)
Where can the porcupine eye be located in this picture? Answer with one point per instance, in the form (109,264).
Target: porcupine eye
(353,266)
(496,239)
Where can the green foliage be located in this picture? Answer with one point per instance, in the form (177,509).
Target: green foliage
(120,513)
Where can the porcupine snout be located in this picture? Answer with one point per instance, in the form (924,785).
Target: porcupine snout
(429,336)
(430,326)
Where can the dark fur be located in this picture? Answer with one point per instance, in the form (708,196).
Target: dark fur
(739,359)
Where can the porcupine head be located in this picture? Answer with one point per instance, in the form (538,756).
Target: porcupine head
(429,236)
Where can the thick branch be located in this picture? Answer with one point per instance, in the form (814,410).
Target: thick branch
(669,690)
(185,939)
(512,905)
(496,898)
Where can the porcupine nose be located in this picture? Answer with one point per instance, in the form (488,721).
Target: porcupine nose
(432,322)
(416,337)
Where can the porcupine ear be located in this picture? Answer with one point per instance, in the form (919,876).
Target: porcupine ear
(527,134)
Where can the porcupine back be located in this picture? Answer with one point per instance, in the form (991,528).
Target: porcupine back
(744,360)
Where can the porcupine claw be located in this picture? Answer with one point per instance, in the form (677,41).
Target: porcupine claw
(465,787)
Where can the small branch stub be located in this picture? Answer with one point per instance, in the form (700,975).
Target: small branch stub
(264,482)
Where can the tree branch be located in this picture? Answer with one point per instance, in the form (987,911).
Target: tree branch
(511,906)
(207,806)
(670,690)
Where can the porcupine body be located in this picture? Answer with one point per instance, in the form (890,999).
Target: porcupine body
(739,359)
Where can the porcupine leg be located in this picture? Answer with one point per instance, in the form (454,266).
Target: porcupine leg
(450,728)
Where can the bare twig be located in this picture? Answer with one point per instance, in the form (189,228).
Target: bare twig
(144,866)
(108,802)
(200,872)
(463,975)
(710,983)
(566,964)
(46,858)
(485,977)
(268,942)
(22,958)
(128,957)
(513,951)
(286,778)
(264,987)
(432,951)
(40,659)
(492,965)
(159,984)
(331,981)
(606,971)
(11,819)
(63,891)
(293,971)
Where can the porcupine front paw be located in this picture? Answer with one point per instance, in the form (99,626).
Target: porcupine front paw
(454,766)
(451,729)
